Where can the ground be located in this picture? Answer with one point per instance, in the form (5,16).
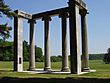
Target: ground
(102,74)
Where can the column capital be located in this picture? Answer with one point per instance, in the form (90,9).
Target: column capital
(83,12)
(63,15)
(32,21)
(46,18)
(71,2)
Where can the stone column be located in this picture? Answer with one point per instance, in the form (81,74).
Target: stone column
(85,56)
(65,67)
(47,43)
(18,43)
(74,37)
(32,46)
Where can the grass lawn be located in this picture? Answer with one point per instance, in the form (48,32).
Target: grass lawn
(102,71)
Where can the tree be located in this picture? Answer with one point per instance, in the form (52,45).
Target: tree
(4,28)
(56,58)
(96,56)
(6,53)
(39,54)
(25,51)
(106,57)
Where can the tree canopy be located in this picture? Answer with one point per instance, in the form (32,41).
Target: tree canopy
(106,57)
(7,52)
(4,28)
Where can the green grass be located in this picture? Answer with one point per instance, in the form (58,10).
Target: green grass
(102,70)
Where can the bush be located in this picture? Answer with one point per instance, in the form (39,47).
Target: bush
(56,58)
(106,58)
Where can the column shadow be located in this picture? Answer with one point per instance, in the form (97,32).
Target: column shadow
(53,80)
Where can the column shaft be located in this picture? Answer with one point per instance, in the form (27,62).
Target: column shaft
(18,44)
(47,43)
(85,56)
(74,38)
(32,46)
(64,42)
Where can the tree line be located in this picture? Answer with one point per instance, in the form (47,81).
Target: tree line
(7,53)
(96,56)
(106,58)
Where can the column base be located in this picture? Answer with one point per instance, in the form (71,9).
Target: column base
(65,69)
(31,69)
(47,69)
(85,69)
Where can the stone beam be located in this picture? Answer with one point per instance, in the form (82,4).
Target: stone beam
(81,4)
(56,12)
(50,13)
(23,14)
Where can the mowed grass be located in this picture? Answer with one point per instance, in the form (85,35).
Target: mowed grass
(102,70)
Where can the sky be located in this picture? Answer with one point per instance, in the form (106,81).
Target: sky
(98,23)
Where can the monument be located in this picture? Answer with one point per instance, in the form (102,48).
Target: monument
(75,10)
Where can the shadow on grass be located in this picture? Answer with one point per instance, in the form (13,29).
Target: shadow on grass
(52,80)
(6,70)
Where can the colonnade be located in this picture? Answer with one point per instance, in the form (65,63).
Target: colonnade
(75,8)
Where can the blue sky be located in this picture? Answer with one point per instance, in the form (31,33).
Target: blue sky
(98,23)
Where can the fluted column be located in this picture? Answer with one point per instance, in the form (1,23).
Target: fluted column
(63,17)
(74,37)
(18,43)
(85,56)
(47,43)
(32,46)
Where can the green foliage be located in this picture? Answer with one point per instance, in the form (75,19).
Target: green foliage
(53,58)
(96,56)
(7,51)
(39,54)
(25,51)
(5,31)
(4,28)
(4,9)
(56,58)
(106,57)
